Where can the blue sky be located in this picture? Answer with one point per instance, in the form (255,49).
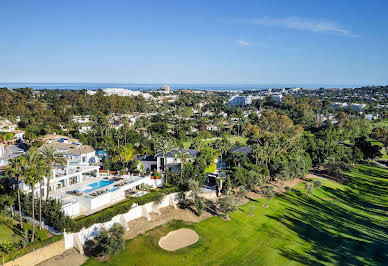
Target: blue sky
(224,42)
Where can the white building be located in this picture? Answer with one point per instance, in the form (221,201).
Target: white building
(359,107)
(7,126)
(340,105)
(19,135)
(2,149)
(80,186)
(211,128)
(371,117)
(122,92)
(94,195)
(240,100)
(158,161)
(80,163)
(81,119)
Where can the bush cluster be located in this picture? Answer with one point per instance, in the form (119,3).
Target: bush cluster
(52,214)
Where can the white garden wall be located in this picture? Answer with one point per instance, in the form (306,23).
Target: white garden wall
(77,240)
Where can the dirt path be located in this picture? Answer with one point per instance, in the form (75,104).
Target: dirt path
(141,225)
(69,258)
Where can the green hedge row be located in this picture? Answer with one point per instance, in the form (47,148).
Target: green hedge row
(33,246)
(107,214)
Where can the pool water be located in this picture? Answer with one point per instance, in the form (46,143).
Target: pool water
(113,189)
(97,185)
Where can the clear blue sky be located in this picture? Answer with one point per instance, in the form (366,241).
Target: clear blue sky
(250,42)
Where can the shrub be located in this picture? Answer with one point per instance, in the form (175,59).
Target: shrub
(226,205)
(317,183)
(52,213)
(309,187)
(108,241)
(199,204)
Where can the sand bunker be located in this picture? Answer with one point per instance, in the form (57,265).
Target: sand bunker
(178,239)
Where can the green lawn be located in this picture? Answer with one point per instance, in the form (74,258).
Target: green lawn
(5,232)
(342,224)
(10,232)
(381,124)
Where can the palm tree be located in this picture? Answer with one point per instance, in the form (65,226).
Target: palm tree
(183,156)
(44,170)
(52,158)
(256,151)
(165,145)
(222,145)
(31,177)
(14,170)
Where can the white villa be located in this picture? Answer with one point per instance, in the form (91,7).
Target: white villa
(8,126)
(80,158)
(158,161)
(80,185)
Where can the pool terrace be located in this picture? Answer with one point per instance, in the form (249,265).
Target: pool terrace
(94,194)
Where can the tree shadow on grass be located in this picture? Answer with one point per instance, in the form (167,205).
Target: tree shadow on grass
(348,229)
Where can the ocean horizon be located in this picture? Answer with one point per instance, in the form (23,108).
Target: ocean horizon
(154,86)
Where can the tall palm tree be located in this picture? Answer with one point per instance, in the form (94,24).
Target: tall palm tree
(183,156)
(14,170)
(44,170)
(165,145)
(52,158)
(31,178)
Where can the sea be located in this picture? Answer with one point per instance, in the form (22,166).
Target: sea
(146,87)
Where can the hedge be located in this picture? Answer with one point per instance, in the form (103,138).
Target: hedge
(33,246)
(107,214)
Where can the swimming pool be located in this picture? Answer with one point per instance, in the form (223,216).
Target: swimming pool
(113,189)
(96,185)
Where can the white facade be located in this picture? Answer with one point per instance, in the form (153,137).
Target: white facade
(19,135)
(148,165)
(159,161)
(7,126)
(62,178)
(79,164)
(240,100)
(84,129)
(81,119)
(122,92)
(2,149)
(82,159)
